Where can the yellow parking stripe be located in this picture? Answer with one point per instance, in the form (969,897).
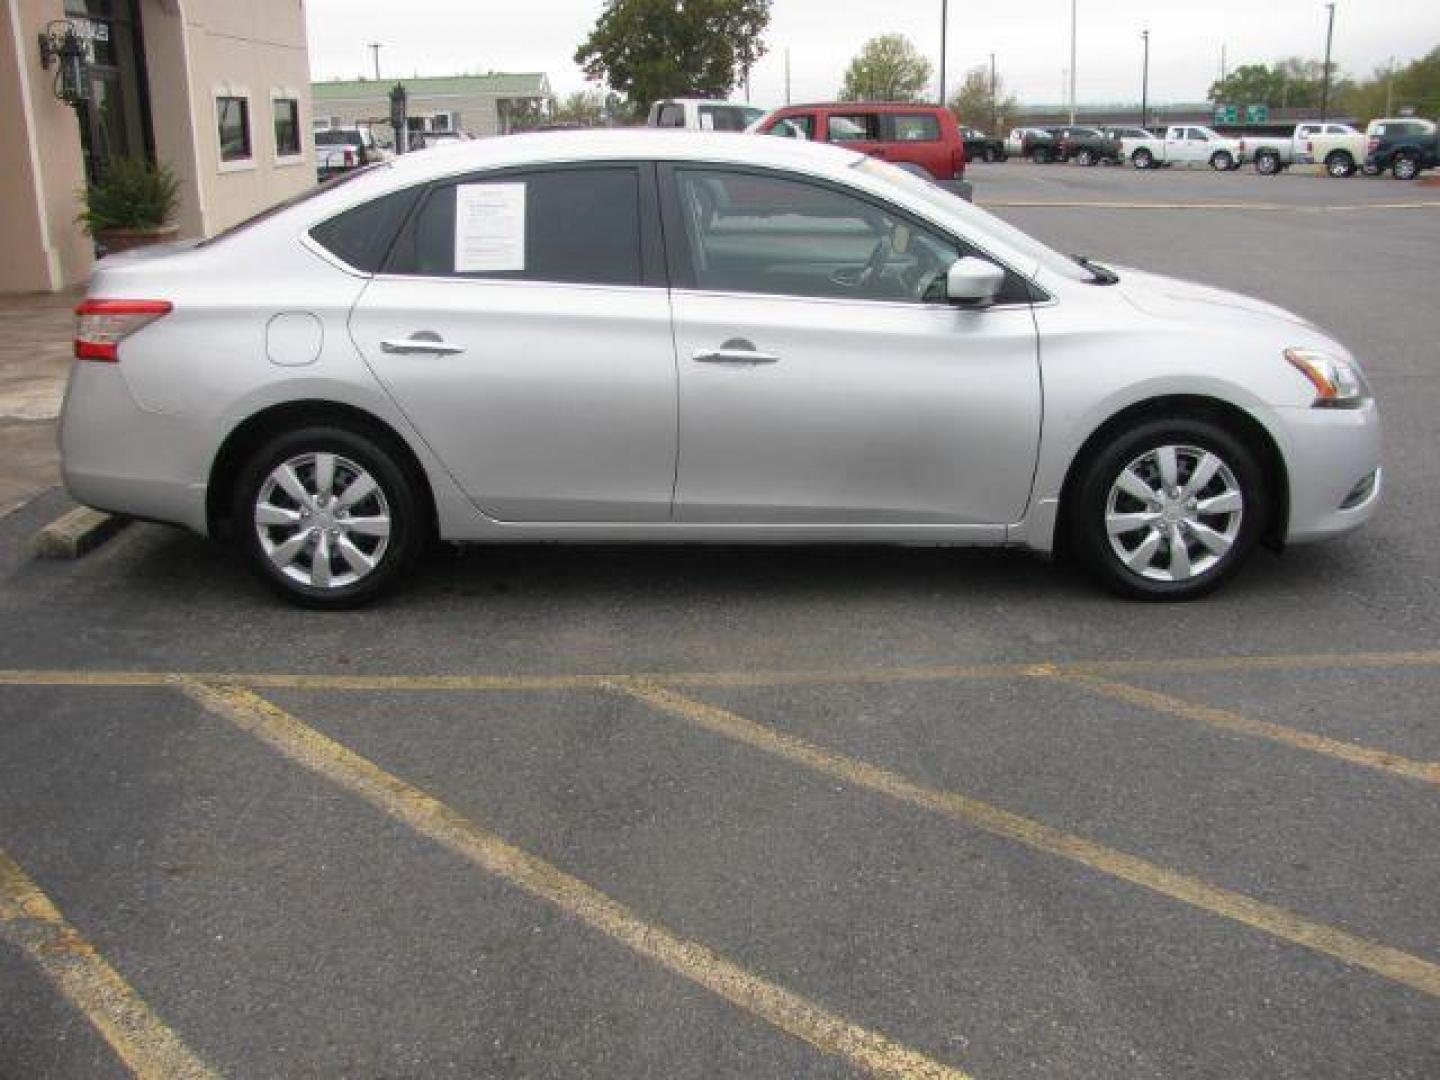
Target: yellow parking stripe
(1391,963)
(798,677)
(1355,754)
(33,924)
(428,816)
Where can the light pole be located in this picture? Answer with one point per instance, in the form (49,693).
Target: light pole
(1145,80)
(994,107)
(944,18)
(1073,4)
(374,47)
(1325,77)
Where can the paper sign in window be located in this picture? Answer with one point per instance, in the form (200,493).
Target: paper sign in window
(489,228)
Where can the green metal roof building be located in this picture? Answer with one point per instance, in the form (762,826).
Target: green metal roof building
(479,105)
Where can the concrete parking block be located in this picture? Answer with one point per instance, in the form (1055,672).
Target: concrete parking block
(77,533)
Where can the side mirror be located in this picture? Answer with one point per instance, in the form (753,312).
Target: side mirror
(973,282)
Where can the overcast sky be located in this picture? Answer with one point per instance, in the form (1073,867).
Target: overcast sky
(1031,40)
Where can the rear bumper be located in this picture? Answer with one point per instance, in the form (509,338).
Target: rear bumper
(116,456)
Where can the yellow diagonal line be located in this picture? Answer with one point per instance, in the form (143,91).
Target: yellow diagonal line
(1355,754)
(140,1038)
(428,816)
(1392,963)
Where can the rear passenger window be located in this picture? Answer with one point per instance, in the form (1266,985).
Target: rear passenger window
(361,237)
(918,127)
(855,127)
(565,225)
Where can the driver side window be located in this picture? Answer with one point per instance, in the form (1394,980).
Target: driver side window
(748,232)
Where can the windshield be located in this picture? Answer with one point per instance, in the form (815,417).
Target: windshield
(985,222)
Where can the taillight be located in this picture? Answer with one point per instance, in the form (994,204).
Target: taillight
(102,324)
(1309,147)
(957,162)
(1241,147)
(349,158)
(1372,145)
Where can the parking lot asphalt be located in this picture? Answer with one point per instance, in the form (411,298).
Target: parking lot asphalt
(761,812)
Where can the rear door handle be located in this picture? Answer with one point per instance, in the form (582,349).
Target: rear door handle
(422,341)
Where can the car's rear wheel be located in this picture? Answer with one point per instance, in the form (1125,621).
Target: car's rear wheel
(328,516)
(1267,163)
(1168,510)
(990,154)
(1222,161)
(1085,157)
(1339,164)
(1142,159)
(1406,167)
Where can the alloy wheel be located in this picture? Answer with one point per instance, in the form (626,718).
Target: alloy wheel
(1174,513)
(322,520)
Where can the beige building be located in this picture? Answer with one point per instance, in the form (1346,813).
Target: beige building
(217,89)
(479,105)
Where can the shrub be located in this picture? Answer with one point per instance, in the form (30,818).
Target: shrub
(134,193)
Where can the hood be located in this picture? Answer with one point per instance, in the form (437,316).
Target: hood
(1171,298)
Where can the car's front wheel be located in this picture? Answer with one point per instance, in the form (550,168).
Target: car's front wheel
(1267,163)
(1168,510)
(328,516)
(1222,161)
(1142,159)
(1339,164)
(1406,167)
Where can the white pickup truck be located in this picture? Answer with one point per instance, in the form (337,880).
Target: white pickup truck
(1185,144)
(1339,146)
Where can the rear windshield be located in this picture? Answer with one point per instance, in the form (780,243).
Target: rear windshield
(338,138)
(728,117)
(294,200)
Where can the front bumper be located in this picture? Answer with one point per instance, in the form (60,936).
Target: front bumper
(1335,472)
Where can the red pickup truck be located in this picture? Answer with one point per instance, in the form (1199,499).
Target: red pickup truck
(923,139)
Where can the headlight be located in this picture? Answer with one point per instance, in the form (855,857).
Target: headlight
(1338,383)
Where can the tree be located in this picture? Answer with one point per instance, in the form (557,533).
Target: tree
(587,108)
(1416,87)
(974,105)
(651,49)
(887,68)
(1293,84)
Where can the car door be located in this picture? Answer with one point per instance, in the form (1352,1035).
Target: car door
(523,325)
(823,378)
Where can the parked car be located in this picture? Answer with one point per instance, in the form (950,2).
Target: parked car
(339,150)
(922,139)
(1015,141)
(1039,145)
(1406,146)
(1342,154)
(703,114)
(426,140)
(1085,146)
(1128,136)
(346,375)
(1187,144)
(1273,154)
(982,147)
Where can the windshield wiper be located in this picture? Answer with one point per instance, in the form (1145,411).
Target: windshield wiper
(1103,274)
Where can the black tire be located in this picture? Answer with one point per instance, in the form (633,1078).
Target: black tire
(1267,163)
(1406,167)
(990,155)
(1222,161)
(1339,164)
(1085,512)
(1142,159)
(401,496)
(1085,157)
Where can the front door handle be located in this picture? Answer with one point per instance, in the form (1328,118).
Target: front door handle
(422,341)
(734,351)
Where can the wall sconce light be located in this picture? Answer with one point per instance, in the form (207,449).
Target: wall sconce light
(61,45)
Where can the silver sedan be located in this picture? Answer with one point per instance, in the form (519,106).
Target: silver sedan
(675,338)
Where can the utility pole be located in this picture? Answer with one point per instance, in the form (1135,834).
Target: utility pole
(1073,25)
(944,18)
(374,47)
(1390,89)
(1145,81)
(994,105)
(1222,61)
(1325,80)
(787,75)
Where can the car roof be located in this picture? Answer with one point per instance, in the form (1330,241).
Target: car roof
(865,106)
(705,101)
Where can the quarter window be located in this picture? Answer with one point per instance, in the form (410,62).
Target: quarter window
(563,225)
(287,127)
(233,117)
(920,127)
(855,127)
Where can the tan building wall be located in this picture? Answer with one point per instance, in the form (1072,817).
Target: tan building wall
(193,50)
(41,168)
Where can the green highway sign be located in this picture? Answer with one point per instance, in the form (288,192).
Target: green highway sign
(1257,114)
(1227,114)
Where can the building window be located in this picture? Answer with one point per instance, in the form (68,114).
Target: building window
(287,127)
(233,116)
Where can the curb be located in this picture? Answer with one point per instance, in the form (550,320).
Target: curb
(77,533)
